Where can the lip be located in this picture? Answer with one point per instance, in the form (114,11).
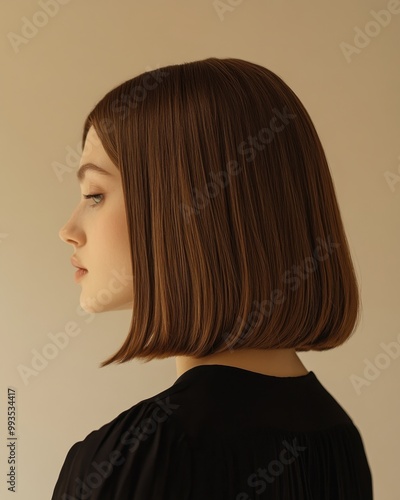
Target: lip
(77,264)
(80,272)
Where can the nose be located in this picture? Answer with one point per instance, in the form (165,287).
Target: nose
(63,234)
(71,233)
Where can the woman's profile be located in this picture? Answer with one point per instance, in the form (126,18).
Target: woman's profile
(208,209)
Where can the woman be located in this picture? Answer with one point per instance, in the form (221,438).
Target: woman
(209,210)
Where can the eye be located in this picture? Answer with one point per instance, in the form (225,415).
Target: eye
(94,197)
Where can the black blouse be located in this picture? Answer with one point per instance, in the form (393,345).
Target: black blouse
(223,433)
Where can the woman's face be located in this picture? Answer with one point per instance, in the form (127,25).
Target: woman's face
(98,232)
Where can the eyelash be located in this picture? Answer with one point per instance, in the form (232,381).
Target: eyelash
(92,196)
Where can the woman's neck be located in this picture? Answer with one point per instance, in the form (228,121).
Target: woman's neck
(275,362)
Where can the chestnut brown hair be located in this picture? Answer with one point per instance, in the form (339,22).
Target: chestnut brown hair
(236,237)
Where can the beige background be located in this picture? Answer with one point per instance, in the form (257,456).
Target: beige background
(48,86)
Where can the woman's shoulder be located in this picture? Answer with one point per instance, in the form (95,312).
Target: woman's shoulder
(132,426)
(131,449)
(141,420)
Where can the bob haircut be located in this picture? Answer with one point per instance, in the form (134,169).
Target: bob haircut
(236,237)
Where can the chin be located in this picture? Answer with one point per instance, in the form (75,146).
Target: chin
(97,304)
(90,308)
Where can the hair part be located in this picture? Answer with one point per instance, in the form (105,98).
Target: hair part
(236,236)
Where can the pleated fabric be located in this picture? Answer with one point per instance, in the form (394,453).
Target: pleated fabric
(223,433)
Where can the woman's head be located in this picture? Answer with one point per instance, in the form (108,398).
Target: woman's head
(234,231)
(98,231)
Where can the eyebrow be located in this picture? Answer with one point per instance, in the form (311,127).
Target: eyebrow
(90,166)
